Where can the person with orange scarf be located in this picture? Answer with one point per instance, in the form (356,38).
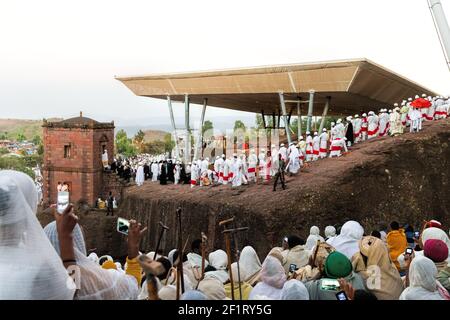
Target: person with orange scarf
(396,242)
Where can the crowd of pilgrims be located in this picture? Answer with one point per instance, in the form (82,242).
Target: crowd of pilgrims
(240,169)
(401,262)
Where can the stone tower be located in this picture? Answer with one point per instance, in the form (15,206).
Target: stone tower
(73,154)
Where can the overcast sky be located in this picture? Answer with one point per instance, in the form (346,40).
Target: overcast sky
(60,57)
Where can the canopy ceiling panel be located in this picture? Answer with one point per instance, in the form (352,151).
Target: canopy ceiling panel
(354,86)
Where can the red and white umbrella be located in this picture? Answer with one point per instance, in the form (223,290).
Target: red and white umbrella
(421,103)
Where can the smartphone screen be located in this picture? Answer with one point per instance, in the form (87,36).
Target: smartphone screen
(341,295)
(417,234)
(409,251)
(330,284)
(123,225)
(62,202)
(292,267)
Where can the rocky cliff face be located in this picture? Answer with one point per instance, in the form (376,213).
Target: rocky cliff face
(405,178)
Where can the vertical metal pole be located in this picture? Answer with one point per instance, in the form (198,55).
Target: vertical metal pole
(299,119)
(187,151)
(324,114)
(198,144)
(442,28)
(286,123)
(172,119)
(310,110)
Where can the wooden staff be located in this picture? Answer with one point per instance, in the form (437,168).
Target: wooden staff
(180,278)
(237,253)
(204,244)
(228,248)
(163,229)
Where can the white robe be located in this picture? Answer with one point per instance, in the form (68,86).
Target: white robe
(316,148)
(357,129)
(140,176)
(251,171)
(383,124)
(373,126)
(262,164)
(309,148)
(323,145)
(176,173)
(284,153)
(294,160)
(236,168)
(155,171)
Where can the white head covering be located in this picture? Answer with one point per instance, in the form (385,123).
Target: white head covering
(213,289)
(347,242)
(250,261)
(26,185)
(294,290)
(417,96)
(364,114)
(219,260)
(330,231)
(193,295)
(30,269)
(93,257)
(273,278)
(168,292)
(438,234)
(422,281)
(314,235)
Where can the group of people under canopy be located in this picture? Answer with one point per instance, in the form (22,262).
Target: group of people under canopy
(401,263)
(244,167)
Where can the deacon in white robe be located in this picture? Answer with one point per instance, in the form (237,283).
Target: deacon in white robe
(140,175)
(323,149)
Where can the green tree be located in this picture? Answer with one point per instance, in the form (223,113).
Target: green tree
(138,140)
(4,136)
(36,140)
(16,163)
(3,151)
(169,144)
(207,125)
(124,145)
(155,147)
(238,124)
(21,137)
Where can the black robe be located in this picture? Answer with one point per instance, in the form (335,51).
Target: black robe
(349,134)
(170,174)
(163,174)
(146,172)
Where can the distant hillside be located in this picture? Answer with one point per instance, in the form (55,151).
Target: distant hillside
(11,128)
(153,135)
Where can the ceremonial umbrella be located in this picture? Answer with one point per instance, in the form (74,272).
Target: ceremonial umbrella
(421,103)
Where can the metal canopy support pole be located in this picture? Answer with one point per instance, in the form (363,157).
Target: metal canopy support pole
(442,28)
(273,121)
(198,144)
(187,142)
(286,123)
(310,110)
(299,121)
(324,114)
(263,119)
(174,128)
